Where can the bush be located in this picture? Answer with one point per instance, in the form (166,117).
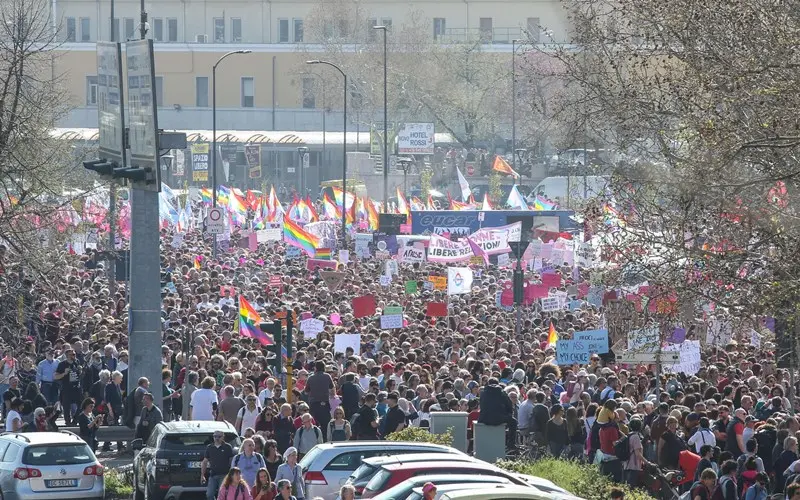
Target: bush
(581,480)
(419,435)
(118,485)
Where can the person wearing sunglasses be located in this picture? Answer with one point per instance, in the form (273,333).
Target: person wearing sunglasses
(284,488)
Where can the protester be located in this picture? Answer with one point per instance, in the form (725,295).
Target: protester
(234,486)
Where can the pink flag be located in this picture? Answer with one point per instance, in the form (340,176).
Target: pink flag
(478,251)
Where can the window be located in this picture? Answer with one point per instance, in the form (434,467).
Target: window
(236,29)
(158,29)
(486,29)
(298,30)
(115,29)
(91,91)
(11,453)
(439,24)
(219,30)
(172,29)
(248,92)
(309,101)
(349,461)
(283,31)
(70,29)
(371,31)
(60,455)
(159,91)
(201,91)
(387,21)
(128,28)
(86,33)
(533,29)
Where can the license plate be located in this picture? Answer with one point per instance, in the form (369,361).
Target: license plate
(61,483)
(193,465)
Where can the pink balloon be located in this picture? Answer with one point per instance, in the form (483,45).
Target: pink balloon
(336,319)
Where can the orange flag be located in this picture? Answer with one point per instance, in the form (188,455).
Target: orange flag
(502,166)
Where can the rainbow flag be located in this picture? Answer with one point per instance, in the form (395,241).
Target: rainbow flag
(372,214)
(402,203)
(542,203)
(223,196)
(206,196)
(237,209)
(552,335)
(298,237)
(248,323)
(322,253)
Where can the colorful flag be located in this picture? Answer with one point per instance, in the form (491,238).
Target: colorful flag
(466,192)
(298,237)
(542,203)
(322,253)
(515,199)
(459,280)
(249,321)
(206,196)
(402,203)
(552,335)
(372,215)
(478,251)
(487,205)
(502,166)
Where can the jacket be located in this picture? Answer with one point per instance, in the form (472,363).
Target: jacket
(234,492)
(496,407)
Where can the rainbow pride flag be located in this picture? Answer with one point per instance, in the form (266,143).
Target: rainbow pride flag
(206,196)
(322,253)
(542,203)
(298,237)
(248,323)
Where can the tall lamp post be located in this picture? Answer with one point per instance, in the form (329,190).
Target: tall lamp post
(385,30)
(514,103)
(214,131)
(344,142)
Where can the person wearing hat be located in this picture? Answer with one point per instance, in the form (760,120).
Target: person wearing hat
(428,491)
(395,419)
(291,471)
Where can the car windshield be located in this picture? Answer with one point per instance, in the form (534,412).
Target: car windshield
(58,454)
(197,441)
(378,480)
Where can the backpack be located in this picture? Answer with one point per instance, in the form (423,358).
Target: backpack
(257,455)
(718,493)
(301,429)
(622,447)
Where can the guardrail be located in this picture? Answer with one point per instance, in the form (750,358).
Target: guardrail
(110,433)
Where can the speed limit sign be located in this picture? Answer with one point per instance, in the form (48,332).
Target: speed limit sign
(215,224)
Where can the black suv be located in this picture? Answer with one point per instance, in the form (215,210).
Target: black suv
(168,464)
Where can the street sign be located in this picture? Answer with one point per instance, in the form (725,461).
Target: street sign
(306,160)
(142,110)
(110,110)
(215,223)
(632,358)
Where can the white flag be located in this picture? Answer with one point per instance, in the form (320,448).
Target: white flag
(459,280)
(465,190)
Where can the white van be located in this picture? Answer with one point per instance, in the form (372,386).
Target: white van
(578,186)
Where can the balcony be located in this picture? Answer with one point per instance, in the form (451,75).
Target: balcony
(489,36)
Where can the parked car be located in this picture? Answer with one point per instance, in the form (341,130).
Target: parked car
(405,490)
(168,464)
(393,474)
(361,476)
(499,492)
(329,465)
(43,465)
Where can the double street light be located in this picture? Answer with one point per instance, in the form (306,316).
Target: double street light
(344,142)
(214,130)
(385,30)
(514,103)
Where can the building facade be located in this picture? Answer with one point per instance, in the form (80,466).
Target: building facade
(262,90)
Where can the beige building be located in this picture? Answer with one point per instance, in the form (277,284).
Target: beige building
(262,90)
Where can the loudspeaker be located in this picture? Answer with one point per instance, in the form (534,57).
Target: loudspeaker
(390,223)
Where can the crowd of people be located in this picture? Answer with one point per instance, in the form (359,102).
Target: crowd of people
(730,427)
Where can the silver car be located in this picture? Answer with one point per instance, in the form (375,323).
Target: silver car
(328,466)
(49,465)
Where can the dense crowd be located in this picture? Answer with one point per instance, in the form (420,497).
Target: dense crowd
(730,427)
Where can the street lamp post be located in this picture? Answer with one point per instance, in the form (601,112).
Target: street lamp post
(514,103)
(214,131)
(344,142)
(385,30)
(302,151)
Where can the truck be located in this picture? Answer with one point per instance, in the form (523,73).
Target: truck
(578,186)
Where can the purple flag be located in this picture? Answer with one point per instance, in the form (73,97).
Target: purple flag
(678,336)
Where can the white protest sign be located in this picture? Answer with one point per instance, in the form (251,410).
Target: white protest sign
(492,242)
(344,257)
(391,268)
(386,280)
(390,321)
(551,304)
(363,241)
(755,339)
(311,327)
(503,259)
(341,341)
(584,255)
(689,363)
(411,254)
(643,340)
(443,250)
(273,231)
(177,240)
(557,256)
(537,264)
(719,332)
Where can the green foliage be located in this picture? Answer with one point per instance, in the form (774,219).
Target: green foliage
(418,435)
(118,485)
(425,181)
(495,189)
(581,480)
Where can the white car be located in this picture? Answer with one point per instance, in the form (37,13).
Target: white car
(499,492)
(327,466)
